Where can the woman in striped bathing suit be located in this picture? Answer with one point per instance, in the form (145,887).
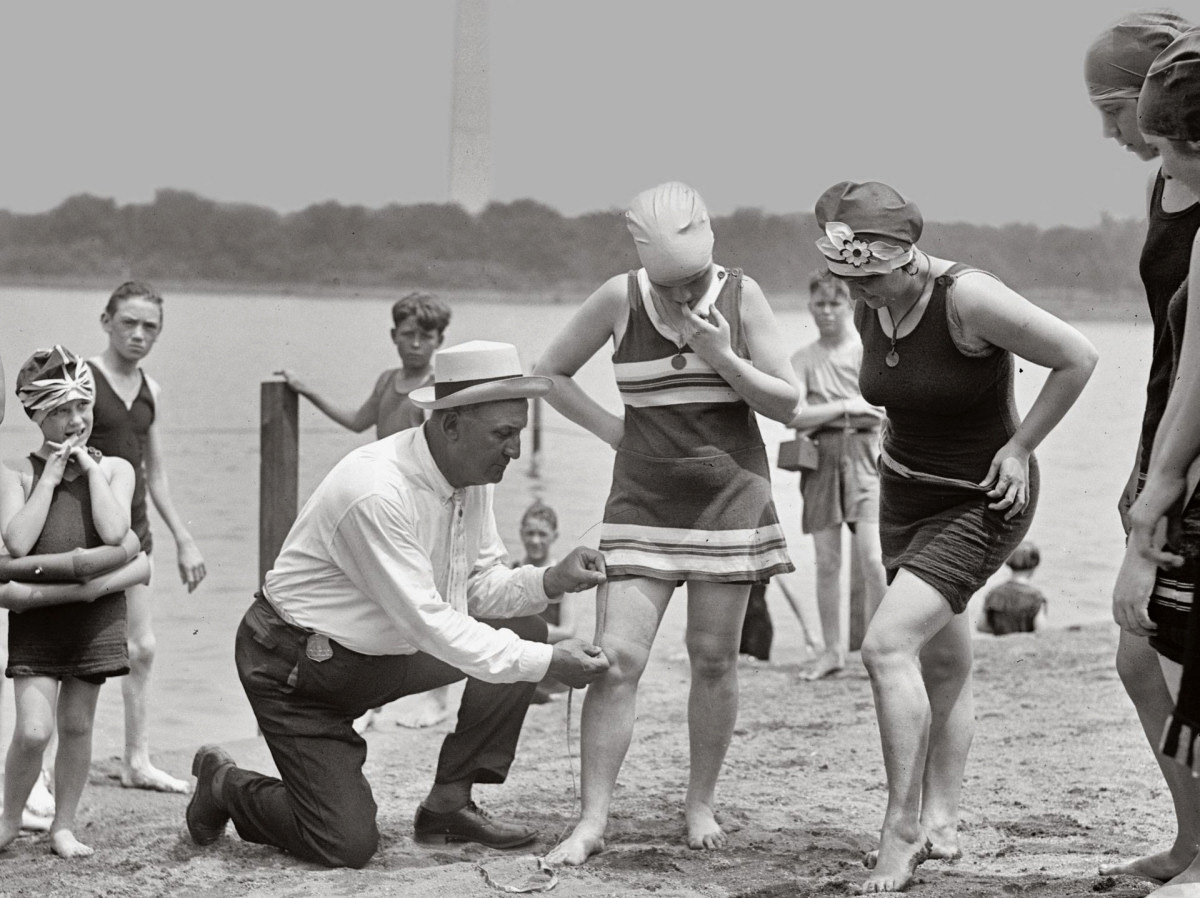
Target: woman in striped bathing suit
(696,356)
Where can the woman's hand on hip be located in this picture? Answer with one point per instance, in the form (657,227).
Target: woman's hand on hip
(1008,479)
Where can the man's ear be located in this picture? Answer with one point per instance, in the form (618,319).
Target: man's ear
(451,423)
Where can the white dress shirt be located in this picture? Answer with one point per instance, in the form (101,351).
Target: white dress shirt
(387,558)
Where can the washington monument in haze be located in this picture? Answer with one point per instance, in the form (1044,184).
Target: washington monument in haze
(470,111)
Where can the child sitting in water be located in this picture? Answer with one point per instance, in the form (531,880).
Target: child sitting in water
(539,530)
(1016,606)
(63,497)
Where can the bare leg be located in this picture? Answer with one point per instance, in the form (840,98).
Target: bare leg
(804,607)
(868,559)
(911,614)
(76,713)
(828,546)
(946,670)
(715,612)
(628,613)
(1142,677)
(35,702)
(137,772)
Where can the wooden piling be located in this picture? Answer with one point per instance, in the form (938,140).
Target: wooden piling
(278,470)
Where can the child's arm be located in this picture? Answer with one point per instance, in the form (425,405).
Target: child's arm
(17,597)
(568,618)
(22,516)
(767,384)
(357,420)
(589,329)
(110,483)
(191,563)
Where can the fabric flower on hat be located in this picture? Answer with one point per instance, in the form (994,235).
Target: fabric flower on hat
(851,256)
(52,377)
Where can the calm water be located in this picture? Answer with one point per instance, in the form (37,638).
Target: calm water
(216,349)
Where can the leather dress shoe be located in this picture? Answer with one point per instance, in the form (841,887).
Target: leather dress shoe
(206,818)
(469,824)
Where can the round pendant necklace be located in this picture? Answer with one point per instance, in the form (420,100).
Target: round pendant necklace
(893,357)
(679,361)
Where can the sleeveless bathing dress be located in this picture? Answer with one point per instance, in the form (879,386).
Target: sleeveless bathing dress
(86,640)
(691,489)
(949,410)
(121,432)
(1164,267)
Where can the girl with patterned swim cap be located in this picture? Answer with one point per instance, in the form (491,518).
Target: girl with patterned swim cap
(65,642)
(958,487)
(1115,69)
(696,354)
(1153,572)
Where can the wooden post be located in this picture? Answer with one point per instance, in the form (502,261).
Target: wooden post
(278,470)
(535,427)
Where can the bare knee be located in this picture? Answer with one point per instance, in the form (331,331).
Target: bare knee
(944,665)
(625,663)
(32,736)
(142,649)
(712,662)
(880,655)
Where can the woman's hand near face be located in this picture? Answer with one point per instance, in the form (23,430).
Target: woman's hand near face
(708,337)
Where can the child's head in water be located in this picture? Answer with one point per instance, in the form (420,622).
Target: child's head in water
(1025,558)
(539,530)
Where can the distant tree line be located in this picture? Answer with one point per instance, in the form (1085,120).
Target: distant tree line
(181,237)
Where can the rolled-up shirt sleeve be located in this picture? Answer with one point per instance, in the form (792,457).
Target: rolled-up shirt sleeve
(375,544)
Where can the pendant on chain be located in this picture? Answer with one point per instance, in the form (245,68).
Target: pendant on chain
(678,362)
(892,359)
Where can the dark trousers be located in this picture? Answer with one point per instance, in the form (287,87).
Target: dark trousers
(321,809)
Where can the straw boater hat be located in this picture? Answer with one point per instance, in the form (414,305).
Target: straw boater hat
(475,372)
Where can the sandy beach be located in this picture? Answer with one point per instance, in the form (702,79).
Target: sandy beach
(1059,782)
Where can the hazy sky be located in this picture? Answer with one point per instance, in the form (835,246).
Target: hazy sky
(975,109)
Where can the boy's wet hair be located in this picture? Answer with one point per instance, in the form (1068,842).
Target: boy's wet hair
(430,312)
(1025,557)
(132,290)
(823,280)
(540,511)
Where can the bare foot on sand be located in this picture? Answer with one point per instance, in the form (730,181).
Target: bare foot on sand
(64,844)
(7,835)
(895,863)
(576,848)
(703,831)
(936,853)
(153,779)
(827,665)
(1161,867)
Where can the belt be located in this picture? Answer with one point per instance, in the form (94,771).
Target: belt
(921,477)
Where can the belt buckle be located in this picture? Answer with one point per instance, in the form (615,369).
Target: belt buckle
(318,648)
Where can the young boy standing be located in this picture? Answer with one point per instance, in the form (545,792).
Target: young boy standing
(419,322)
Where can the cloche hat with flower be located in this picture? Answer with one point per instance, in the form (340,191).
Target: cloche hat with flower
(869,228)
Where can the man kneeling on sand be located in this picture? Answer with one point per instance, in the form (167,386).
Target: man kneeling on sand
(391,582)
